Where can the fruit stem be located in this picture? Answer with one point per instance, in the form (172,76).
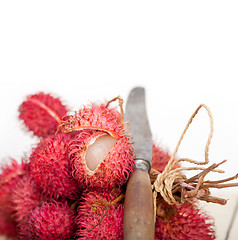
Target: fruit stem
(121,101)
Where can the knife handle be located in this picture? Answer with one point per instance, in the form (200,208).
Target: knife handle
(139,209)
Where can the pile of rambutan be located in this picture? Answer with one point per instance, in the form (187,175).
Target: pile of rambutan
(72,184)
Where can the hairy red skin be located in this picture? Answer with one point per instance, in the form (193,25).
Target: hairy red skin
(7,225)
(42,113)
(50,167)
(95,117)
(189,222)
(160,158)
(50,221)
(10,175)
(24,198)
(112,172)
(95,220)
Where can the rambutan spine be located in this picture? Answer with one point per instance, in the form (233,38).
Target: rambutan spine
(42,113)
(50,221)
(112,172)
(50,167)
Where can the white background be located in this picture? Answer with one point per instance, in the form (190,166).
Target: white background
(183,52)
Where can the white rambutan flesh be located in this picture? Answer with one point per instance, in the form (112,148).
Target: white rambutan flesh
(98,150)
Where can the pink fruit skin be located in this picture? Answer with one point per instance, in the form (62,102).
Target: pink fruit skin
(7,225)
(188,223)
(24,198)
(160,158)
(112,172)
(95,221)
(9,176)
(50,221)
(50,167)
(95,117)
(42,113)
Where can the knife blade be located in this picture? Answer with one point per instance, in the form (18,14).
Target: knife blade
(139,126)
(139,212)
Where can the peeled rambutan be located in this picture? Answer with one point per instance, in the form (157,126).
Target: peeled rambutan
(42,113)
(100,216)
(95,117)
(50,221)
(101,161)
(50,167)
(24,198)
(183,222)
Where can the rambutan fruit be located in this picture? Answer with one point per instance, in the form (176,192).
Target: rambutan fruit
(10,174)
(50,221)
(24,198)
(183,222)
(160,158)
(100,160)
(7,225)
(95,117)
(50,167)
(42,113)
(100,216)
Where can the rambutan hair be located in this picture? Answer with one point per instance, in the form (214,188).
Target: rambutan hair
(11,173)
(50,221)
(42,113)
(95,117)
(184,222)
(160,158)
(50,167)
(7,224)
(113,171)
(24,198)
(100,218)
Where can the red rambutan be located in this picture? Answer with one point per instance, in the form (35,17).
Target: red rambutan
(50,167)
(96,117)
(100,216)
(50,221)
(7,224)
(24,198)
(42,113)
(183,222)
(160,158)
(101,161)
(10,175)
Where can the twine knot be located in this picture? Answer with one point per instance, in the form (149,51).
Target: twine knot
(164,182)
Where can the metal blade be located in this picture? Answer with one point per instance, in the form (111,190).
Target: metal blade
(138,124)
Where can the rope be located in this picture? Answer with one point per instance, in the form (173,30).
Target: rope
(164,181)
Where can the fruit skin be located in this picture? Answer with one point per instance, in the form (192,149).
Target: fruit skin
(112,172)
(10,174)
(187,222)
(50,167)
(24,198)
(50,221)
(95,117)
(42,113)
(98,218)
(7,224)
(160,158)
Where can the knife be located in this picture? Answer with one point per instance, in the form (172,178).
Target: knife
(139,210)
